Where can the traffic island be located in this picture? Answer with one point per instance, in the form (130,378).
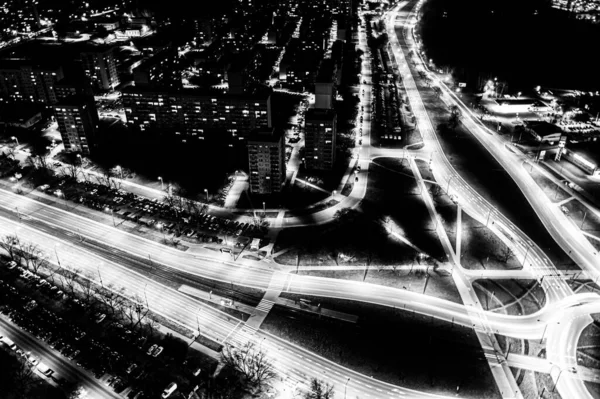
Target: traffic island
(588,351)
(421,278)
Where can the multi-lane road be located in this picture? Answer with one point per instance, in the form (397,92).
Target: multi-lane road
(119,258)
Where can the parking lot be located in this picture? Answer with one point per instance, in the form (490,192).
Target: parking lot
(116,344)
(185,220)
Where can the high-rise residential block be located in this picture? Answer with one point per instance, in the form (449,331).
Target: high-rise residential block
(77,123)
(320,134)
(266,161)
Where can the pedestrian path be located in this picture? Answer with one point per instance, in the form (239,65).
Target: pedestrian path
(278,281)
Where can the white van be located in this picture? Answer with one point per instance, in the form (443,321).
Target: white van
(9,342)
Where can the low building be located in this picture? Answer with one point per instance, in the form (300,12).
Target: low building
(586,157)
(22,115)
(543,131)
(266,161)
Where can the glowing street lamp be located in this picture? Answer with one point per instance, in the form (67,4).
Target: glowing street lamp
(162,183)
(15,139)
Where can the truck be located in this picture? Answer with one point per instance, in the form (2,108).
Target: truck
(9,342)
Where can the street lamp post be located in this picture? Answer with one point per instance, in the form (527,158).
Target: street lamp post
(449,181)
(526,253)
(264,209)
(488,218)
(15,139)
(557,379)
(346,386)
(206,191)
(18,213)
(162,183)
(56,253)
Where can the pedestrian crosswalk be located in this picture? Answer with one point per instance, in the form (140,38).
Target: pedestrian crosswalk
(265,305)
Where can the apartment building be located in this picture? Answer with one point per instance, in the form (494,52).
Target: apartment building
(100,65)
(77,122)
(320,133)
(22,80)
(195,114)
(266,161)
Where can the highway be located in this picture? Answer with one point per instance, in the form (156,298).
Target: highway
(563,232)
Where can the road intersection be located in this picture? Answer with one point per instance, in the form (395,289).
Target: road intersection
(114,255)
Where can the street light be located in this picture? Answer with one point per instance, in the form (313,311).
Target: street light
(15,139)
(56,253)
(570,369)
(112,215)
(449,181)
(346,386)
(206,191)
(264,209)
(162,183)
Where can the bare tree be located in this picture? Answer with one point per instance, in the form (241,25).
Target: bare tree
(114,301)
(68,279)
(319,390)
(35,258)
(88,291)
(10,243)
(251,362)
(506,254)
(22,380)
(10,152)
(455,116)
(136,313)
(435,190)
(72,171)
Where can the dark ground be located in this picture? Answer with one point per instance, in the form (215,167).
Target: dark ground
(392,345)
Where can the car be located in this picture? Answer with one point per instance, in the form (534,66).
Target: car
(152,349)
(158,351)
(33,360)
(41,283)
(564,209)
(44,187)
(172,387)
(100,318)
(131,367)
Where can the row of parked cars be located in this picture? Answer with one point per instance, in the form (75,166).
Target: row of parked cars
(67,338)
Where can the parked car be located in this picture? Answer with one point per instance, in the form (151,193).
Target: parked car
(169,390)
